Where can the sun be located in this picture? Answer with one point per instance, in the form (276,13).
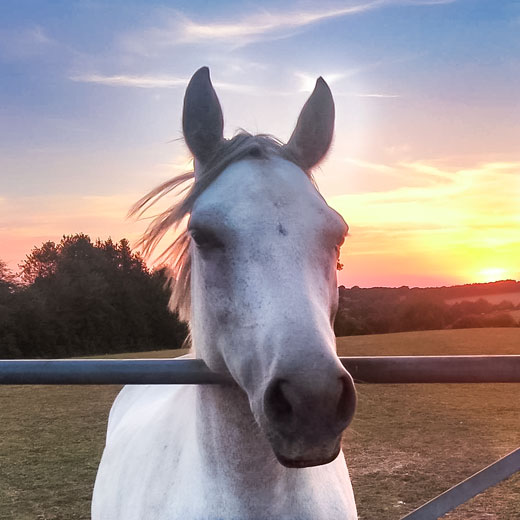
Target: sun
(493,274)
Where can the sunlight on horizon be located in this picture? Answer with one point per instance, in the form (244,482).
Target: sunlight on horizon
(493,274)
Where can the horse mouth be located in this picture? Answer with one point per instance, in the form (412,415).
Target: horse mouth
(304,462)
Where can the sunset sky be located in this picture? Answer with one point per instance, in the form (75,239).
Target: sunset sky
(425,166)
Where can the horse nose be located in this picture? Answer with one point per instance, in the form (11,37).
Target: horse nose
(291,403)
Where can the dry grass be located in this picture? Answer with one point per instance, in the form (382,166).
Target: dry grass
(407,443)
(51,440)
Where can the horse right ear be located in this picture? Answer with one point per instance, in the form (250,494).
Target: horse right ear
(312,136)
(202,120)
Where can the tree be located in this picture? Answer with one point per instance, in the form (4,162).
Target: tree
(6,274)
(40,263)
(8,287)
(420,315)
(83,298)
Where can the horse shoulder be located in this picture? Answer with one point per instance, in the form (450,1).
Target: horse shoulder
(149,436)
(133,399)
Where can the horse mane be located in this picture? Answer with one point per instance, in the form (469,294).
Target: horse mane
(177,254)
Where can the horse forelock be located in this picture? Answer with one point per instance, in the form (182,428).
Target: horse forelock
(177,254)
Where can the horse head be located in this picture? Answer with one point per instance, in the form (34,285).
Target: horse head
(259,257)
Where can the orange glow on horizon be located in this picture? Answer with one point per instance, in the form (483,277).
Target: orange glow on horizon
(493,274)
(439,225)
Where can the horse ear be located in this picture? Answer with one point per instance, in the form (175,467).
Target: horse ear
(202,120)
(312,136)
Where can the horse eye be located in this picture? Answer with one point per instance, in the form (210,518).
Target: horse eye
(205,239)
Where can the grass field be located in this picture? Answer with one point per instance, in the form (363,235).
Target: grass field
(406,444)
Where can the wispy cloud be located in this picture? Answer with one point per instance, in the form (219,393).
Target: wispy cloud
(368,95)
(427,170)
(382,168)
(308,81)
(411,175)
(177,29)
(152,81)
(268,23)
(479,197)
(124,80)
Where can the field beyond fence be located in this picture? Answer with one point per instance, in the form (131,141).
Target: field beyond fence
(407,442)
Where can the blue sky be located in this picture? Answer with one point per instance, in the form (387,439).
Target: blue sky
(427,96)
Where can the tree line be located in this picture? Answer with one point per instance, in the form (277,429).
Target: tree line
(79,297)
(381,310)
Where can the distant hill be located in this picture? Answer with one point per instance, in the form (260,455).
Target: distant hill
(379,310)
(478,290)
(467,291)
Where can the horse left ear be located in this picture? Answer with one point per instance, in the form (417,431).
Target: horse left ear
(312,136)
(202,119)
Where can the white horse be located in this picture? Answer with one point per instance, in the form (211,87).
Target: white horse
(255,274)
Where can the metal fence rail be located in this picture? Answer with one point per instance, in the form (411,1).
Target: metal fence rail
(380,370)
(469,488)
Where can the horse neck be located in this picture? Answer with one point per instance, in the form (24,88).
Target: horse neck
(229,438)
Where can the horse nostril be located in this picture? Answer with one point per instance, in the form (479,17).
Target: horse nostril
(347,400)
(277,405)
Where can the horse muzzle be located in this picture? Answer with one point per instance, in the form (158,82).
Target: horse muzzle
(305,415)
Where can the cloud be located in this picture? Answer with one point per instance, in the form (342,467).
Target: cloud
(267,23)
(151,81)
(155,81)
(138,81)
(427,170)
(470,203)
(453,230)
(308,81)
(406,173)
(178,29)
(381,168)
(424,2)
(175,28)
(370,95)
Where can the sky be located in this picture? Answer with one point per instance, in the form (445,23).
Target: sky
(425,164)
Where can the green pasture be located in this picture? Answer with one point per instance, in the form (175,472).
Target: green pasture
(406,444)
